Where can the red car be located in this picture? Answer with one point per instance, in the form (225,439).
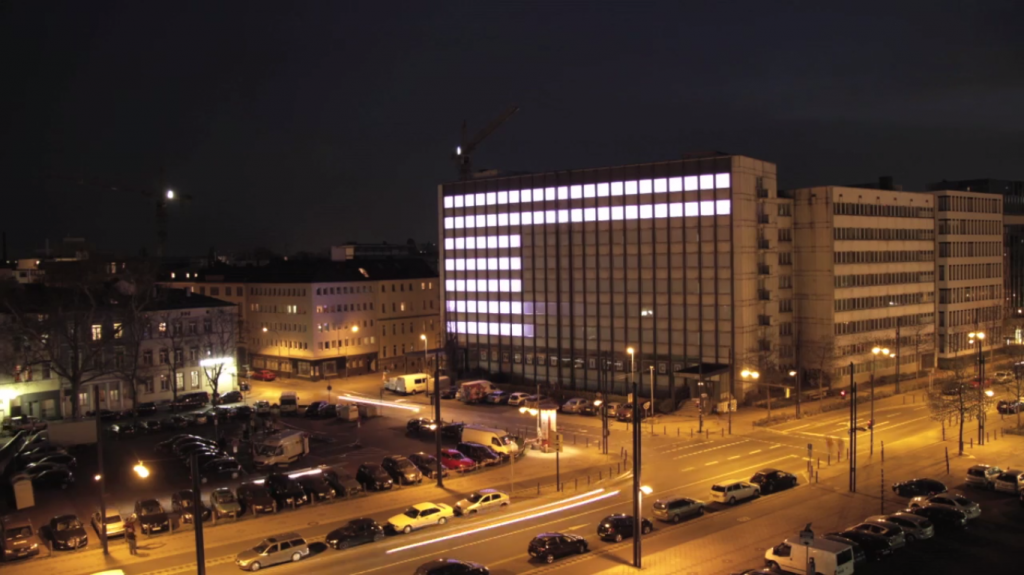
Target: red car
(456,460)
(263,375)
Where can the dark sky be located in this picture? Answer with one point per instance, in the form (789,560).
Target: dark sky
(297,125)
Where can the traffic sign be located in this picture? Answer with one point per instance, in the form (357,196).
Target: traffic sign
(558,442)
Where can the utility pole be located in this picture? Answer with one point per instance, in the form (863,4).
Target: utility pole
(852,459)
(197,516)
(437,420)
(637,517)
(100,474)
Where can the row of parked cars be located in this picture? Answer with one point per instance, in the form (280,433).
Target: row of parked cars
(214,463)
(48,465)
(575,405)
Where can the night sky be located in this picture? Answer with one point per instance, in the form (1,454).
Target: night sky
(297,125)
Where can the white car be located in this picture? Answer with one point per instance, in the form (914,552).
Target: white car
(954,500)
(482,501)
(915,527)
(421,515)
(115,525)
(1003,376)
(518,398)
(1009,481)
(732,491)
(893,533)
(983,476)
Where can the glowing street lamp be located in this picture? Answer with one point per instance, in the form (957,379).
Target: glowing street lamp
(141,470)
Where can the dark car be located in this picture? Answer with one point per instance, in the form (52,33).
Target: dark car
(285,490)
(550,546)
(772,480)
(420,426)
(479,453)
(451,567)
(174,422)
(356,532)
(403,471)
(66,532)
(126,429)
(625,413)
(1007,407)
(190,401)
(452,431)
(373,477)
(262,375)
(54,478)
(449,393)
(918,487)
(314,409)
(875,546)
(64,459)
(218,469)
(329,411)
(33,469)
(39,452)
(108,415)
(590,409)
(147,408)
(316,487)
(943,517)
(168,445)
(205,456)
(151,516)
(230,397)
(341,481)
(244,412)
(185,446)
(256,498)
(858,552)
(427,464)
(618,527)
(181,503)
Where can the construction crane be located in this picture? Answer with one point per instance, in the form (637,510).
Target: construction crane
(464,152)
(162,199)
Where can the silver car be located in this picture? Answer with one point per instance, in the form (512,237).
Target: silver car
(952,500)
(915,527)
(283,548)
(482,501)
(115,525)
(983,476)
(893,533)
(575,405)
(676,509)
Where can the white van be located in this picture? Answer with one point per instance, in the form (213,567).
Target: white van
(829,557)
(408,384)
(281,448)
(289,403)
(496,439)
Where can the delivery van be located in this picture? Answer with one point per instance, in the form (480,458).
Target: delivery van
(474,391)
(826,557)
(497,439)
(407,384)
(281,448)
(289,403)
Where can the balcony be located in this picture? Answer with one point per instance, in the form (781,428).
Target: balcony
(763,245)
(761,192)
(762,218)
(764,295)
(764,320)
(764,269)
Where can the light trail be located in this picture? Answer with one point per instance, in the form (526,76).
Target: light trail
(503,523)
(395,405)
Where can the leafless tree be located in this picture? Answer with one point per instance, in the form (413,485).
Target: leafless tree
(1016,385)
(821,355)
(956,398)
(218,339)
(132,331)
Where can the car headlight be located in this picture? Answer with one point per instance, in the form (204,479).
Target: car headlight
(35,546)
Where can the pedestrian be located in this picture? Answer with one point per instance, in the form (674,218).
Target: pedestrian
(129,535)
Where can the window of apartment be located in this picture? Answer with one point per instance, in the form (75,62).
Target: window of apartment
(214,291)
(785,209)
(402,306)
(194,379)
(147,357)
(193,355)
(207,325)
(118,331)
(97,332)
(165,385)
(164,357)
(162,327)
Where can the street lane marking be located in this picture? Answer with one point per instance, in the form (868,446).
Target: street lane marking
(797,427)
(776,446)
(704,445)
(734,457)
(689,469)
(575,527)
(754,451)
(709,449)
(710,463)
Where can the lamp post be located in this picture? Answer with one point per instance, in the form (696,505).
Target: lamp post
(437,418)
(101,478)
(638,524)
(423,338)
(197,505)
(355,329)
(1018,368)
(796,379)
(978,337)
(700,406)
(636,460)
(871,422)
(753,375)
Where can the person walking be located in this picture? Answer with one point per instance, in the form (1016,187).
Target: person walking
(129,535)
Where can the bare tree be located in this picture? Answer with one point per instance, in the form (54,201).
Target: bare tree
(1016,385)
(956,397)
(132,364)
(821,357)
(218,339)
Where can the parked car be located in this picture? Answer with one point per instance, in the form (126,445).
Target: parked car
(1009,406)
(455,459)
(401,470)
(421,515)
(618,527)
(373,477)
(230,397)
(772,480)
(206,456)
(184,446)
(341,481)
(421,426)
(1009,481)
(262,375)
(255,499)
(893,533)
(272,551)
(452,431)
(982,476)
(875,546)
(449,393)
(316,487)
(285,490)
(481,454)
(18,538)
(151,516)
(39,452)
(497,397)
(168,445)
(427,464)
(146,408)
(625,412)
(53,478)
(1003,376)
(33,469)
(223,503)
(482,501)
(174,422)
(952,500)
(944,518)
(262,407)
(190,400)
(25,423)
(355,532)
(446,566)
(517,399)
(550,546)
(611,408)
(916,487)
(575,405)
(678,508)
(181,503)
(858,552)
(731,492)
(536,401)
(115,524)
(915,527)
(66,533)
(313,410)
(328,411)
(591,409)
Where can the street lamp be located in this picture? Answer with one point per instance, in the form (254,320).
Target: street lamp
(796,380)
(978,337)
(355,329)
(423,337)
(141,470)
(753,375)
(638,520)
(197,504)
(636,461)
(875,351)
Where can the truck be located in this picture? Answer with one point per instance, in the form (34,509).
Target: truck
(408,384)
(826,557)
(281,448)
(497,439)
(289,403)
(474,391)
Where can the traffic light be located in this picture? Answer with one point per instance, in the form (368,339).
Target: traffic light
(842,394)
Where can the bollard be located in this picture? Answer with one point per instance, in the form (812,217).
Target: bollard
(847,454)
(883,452)
(677,431)
(986,437)
(723,431)
(538,488)
(576,484)
(947,460)
(816,476)
(664,430)
(830,459)
(972,442)
(599,472)
(691,433)
(618,468)
(943,431)
(819,463)
(627,426)
(561,486)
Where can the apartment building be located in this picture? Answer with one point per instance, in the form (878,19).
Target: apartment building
(969,246)
(551,277)
(864,277)
(317,320)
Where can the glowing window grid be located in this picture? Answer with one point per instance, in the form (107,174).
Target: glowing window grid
(600,214)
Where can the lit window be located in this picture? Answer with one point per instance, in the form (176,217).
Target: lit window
(516,330)
(449,223)
(602,190)
(97,332)
(502,264)
(707,208)
(492,264)
(162,327)
(469,201)
(549,194)
(550,217)
(492,285)
(458,222)
(460,243)
(460,285)
(526,196)
(723,207)
(513,219)
(563,192)
(661,210)
(458,201)
(675,210)
(504,307)
(460,265)
(449,243)
(631,188)
(492,220)
(707,182)
(660,186)
(492,306)
(576,215)
(675,184)
(449,202)
(589,191)
(527,218)
(492,242)
(449,265)
(589,214)
(645,186)
(631,212)
(517,286)
(514,241)
(492,198)
(517,307)
(471,243)
(506,328)
(690,209)
(502,220)
(513,197)
(616,188)
(575,192)
(481,220)
(603,214)
(452,305)
(502,241)
(723,180)
(690,183)
(646,212)
(563,216)
(480,199)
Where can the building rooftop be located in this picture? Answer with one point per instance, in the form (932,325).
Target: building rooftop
(355,270)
